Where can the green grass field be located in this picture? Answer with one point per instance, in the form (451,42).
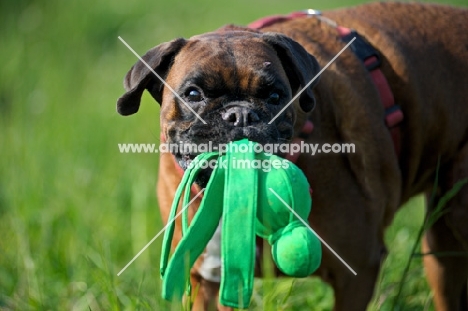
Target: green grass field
(73,210)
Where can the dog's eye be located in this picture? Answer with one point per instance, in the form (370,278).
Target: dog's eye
(194,95)
(274,98)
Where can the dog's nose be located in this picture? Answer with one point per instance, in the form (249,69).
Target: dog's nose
(240,116)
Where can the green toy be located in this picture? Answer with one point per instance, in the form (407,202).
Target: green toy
(245,201)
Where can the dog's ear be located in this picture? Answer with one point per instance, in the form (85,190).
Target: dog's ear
(300,66)
(140,77)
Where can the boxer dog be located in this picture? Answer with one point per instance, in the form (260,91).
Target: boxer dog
(238,79)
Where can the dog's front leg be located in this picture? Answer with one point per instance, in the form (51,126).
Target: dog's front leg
(206,276)
(205,294)
(446,242)
(353,293)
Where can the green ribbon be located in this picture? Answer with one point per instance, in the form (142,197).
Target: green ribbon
(238,231)
(242,198)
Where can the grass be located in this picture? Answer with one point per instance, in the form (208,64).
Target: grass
(73,211)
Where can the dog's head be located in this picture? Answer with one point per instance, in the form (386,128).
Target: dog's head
(224,86)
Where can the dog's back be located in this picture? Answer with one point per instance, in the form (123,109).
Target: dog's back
(425,60)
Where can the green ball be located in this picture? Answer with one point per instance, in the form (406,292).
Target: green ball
(297,252)
(291,185)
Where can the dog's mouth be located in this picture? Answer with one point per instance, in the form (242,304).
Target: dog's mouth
(185,159)
(217,133)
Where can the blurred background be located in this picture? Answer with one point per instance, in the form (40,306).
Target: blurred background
(73,210)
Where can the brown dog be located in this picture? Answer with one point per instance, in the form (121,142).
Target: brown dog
(237,79)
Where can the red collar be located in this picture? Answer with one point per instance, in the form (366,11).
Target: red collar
(369,56)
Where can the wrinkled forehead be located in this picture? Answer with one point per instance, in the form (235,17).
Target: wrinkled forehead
(230,57)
